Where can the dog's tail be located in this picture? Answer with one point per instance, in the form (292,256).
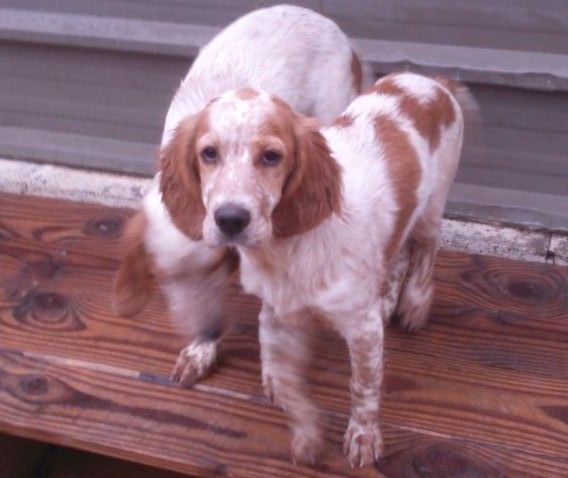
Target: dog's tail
(362,73)
(133,280)
(473,119)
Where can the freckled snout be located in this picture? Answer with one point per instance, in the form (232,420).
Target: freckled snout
(232,219)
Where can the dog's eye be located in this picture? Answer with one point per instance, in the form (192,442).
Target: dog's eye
(271,157)
(209,154)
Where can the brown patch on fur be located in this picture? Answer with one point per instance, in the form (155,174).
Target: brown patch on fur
(414,308)
(343,121)
(404,171)
(247,94)
(428,118)
(312,190)
(450,85)
(180,183)
(356,73)
(311,187)
(134,277)
(232,260)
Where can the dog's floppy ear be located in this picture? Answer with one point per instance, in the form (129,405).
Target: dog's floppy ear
(131,287)
(312,191)
(179,182)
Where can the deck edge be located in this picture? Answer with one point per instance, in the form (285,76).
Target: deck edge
(126,191)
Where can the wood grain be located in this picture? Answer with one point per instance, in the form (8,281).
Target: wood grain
(482,391)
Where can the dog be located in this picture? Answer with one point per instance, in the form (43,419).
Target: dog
(339,222)
(289,51)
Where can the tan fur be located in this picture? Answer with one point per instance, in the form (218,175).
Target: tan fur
(312,190)
(134,277)
(428,118)
(404,171)
(180,181)
(343,121)
(393,282)
(247,94)
(357,73)
(418,289)
(450,85)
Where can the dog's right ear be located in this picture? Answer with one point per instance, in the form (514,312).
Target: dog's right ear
(179,182)
(312,192)
(133,280)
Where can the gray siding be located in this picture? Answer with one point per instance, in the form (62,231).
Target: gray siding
(88,83)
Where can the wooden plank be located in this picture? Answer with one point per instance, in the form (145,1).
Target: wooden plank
(484,386)
(155,424)
(196,433)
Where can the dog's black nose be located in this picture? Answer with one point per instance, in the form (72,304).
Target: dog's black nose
(232,219)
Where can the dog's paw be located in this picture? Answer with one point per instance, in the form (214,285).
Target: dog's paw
(363,444)
(195,362)
(307,446)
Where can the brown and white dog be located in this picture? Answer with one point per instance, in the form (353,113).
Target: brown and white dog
(288,51)
(339,222)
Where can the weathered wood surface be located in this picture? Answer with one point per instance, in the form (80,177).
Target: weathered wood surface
(482,391)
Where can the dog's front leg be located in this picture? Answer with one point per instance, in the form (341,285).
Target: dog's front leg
(196,306)
(285,355)
(267,359)
(363,441)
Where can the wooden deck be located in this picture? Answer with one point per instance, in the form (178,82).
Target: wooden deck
(481,392)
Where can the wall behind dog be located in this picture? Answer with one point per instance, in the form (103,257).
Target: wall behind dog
(88,83)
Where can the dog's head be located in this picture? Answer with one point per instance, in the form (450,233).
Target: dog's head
(246,169)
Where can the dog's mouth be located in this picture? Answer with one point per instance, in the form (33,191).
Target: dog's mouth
(242,240)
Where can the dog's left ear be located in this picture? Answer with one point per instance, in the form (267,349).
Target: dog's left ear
(180,184)
(133,280)
(312,191)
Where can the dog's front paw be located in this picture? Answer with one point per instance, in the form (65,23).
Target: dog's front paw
(307,446)
(194,362)
(363,444)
